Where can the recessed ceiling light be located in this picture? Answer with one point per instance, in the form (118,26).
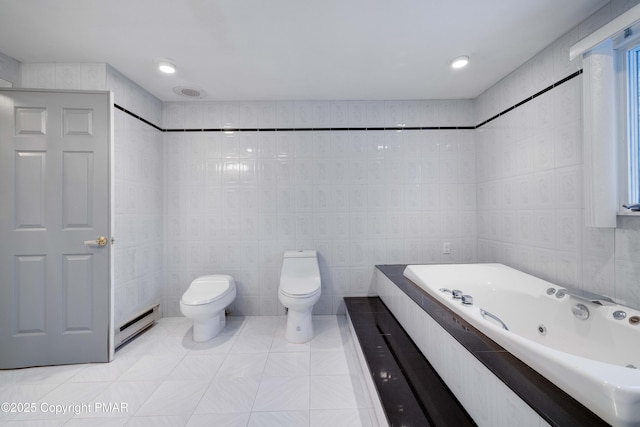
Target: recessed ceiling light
(167,67)
(459,62)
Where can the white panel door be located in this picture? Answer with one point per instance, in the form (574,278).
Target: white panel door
(55,294)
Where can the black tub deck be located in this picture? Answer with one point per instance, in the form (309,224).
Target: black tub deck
(412,393)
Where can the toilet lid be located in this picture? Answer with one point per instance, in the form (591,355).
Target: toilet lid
(298,295)
(300,286)
(206,289)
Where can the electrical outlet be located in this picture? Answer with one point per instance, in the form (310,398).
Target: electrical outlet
(446,248)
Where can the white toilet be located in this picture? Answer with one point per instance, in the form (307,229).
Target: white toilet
(205,301)
(299,290)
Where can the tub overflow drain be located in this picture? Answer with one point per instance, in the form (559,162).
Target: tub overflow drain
(542,330)
(634,320)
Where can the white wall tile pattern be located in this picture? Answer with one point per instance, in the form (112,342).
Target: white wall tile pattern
(10,70)
(529,170)
(235,202)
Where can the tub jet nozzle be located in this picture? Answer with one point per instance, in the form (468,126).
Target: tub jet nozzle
(580,311)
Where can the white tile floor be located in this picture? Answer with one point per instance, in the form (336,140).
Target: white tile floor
(249,375)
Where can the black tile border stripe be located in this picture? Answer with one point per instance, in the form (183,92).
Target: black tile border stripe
(532,97)
(138,117)
(337,129)
(329,129)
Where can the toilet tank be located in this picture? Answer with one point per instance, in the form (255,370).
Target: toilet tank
(300,272)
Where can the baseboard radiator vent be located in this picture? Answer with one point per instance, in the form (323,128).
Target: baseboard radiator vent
(136,325)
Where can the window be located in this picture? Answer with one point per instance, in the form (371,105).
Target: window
(611,140)
(632,90)
(627,51)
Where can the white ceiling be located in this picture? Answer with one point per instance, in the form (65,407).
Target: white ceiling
(294,49)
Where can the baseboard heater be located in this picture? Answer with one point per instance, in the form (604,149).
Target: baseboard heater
(136,326)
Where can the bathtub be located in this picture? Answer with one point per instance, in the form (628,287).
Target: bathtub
(593,360)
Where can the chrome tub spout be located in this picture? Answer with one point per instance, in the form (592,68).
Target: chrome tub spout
(588,296)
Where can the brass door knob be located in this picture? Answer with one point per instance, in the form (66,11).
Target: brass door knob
(100,241)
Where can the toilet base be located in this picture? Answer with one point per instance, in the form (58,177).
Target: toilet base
(209,328)
(299,326)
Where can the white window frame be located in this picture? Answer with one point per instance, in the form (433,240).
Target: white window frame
(606,152)
(627,45)
(631,69)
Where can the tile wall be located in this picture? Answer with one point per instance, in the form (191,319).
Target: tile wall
(138,206)
(530,210)
(9,70)
(235,202)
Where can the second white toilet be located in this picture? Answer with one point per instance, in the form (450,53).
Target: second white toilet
(299,290)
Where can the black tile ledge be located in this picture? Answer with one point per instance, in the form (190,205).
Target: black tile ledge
(554,405)
(410,390)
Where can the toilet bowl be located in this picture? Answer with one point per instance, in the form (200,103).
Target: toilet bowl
(204,302)
(299,290)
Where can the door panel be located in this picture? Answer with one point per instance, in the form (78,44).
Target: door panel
(30,290)
(55,294)
(29,190)
(30,121)
(77,170)
(78,293)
